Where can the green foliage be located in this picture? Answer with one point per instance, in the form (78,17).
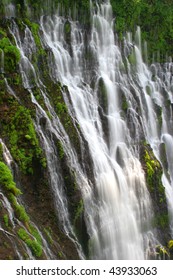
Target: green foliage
(34,27)
(19,209)
(6,222)
(61,108)
(48,233)
(161,221)
(162,252)
(11,54)
(6,179)
(152,165)
(35,233)
(102,95)
(155,19)
(33,244)
(60,149)
(170,244)
(24,145)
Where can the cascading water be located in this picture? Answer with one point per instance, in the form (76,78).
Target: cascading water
(53,128)
(122,205)
(99,76)
(156,85)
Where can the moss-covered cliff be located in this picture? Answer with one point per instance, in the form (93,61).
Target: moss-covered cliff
(35,202)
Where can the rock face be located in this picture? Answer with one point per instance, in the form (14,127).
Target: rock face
(44,154)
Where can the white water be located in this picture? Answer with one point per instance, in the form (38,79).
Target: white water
(158,131)
(53,128)
(121,207)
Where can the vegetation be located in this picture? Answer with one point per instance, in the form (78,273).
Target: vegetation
(155,19)
(33,244)
(6,179)
(6,222)
(11,54)
(19,209)
(24,145)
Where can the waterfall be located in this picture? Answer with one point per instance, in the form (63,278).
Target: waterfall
(116,216)
(114,103)
(53,128)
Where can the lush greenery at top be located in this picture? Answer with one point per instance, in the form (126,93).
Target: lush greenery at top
(154,16)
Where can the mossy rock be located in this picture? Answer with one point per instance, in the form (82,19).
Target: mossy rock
(6,180)
(32,243)
(153,174)
(11,55)
(162,253)
(18,129)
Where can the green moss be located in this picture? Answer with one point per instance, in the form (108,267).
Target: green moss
(33,244)
(60,150)
(2,33)
(60,254)
(170,247)
(162,252)
(102,95)
(124,105)
(17,79)
(154,18)
(153,172)
(19,209)
(11,54)
(159,116)
(6,221)
(34,27)
(152,166)
(6,180)
(170,244)
(61,108)
(35,233)
(161,221)
(24,144)
(48,233)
